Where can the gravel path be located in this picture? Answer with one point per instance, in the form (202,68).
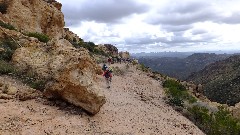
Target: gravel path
(134,107)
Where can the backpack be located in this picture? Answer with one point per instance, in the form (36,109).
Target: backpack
(104,67)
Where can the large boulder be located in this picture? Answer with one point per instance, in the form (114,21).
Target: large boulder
(72,72)
(37,15)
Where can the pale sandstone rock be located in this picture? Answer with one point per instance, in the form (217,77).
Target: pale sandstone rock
(11,90)
(71,70)
(37,15)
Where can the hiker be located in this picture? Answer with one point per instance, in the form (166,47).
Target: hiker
(108,76)
(109,61)
(104,67)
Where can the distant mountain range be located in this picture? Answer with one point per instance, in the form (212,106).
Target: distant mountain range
(183,66)
(221,80)
(179,54)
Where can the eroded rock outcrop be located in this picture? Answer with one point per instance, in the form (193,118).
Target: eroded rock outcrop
(37,15)
(72,72)
(108,49)
(124,55)
(70,36)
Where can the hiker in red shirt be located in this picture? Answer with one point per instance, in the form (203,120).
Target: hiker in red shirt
(109,61)
(108,76)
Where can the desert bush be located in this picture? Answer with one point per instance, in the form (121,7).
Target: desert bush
(6,67)
(220,122)
(172,83)
(176,101)
(100,52)
(41,37)
(177,93)
(143,68)
(8,47)
(7,25)
(91,47)
(3,7)
(31,79)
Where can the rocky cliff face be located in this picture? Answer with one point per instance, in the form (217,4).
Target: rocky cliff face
(36,16)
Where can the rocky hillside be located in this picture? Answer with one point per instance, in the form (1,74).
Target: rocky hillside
(50,83)
(181,68)
(221,80)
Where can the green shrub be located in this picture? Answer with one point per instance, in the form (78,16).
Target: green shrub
(90,46)
(177,93)
(218,123)
(8,47)
(6,67)
(143,68)
(100,52)
(41,37)
(3,7)
(191,99)
(172,83)
(31,79)
(7,25)
(176,101)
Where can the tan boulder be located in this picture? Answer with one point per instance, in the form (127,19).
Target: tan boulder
(11,90)
(72,72)
(8,89)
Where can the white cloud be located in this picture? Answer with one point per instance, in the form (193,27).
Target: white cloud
(159,25)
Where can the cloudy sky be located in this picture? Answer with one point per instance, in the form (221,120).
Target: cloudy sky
(156,25)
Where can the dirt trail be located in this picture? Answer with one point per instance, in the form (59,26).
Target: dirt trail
(134,107)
